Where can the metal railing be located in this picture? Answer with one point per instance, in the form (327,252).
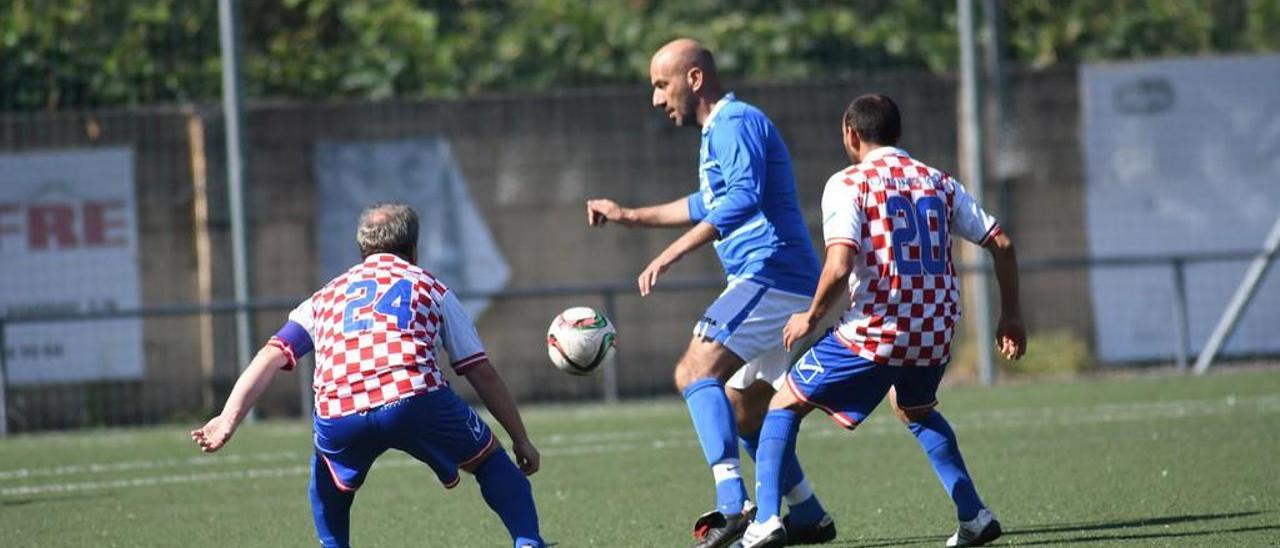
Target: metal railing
(1177,264)
(610,291)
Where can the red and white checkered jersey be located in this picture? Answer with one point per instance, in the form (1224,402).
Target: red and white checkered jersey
(375,331)
(898,214)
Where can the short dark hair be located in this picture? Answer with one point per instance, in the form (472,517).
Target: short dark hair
(875,118)
(388,227)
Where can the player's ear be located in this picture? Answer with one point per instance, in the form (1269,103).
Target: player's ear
(694,78)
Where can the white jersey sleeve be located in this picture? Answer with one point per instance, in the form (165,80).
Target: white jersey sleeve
(459,335)
(303,316)
(842,217)
(968,219)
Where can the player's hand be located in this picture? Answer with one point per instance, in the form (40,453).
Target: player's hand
(527,457)
(798,327)
(214,434)
(649,278)
(602,211)
(1011,337)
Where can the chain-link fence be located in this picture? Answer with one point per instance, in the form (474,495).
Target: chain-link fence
(500,118)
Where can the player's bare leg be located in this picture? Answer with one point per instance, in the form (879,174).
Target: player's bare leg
(749,406)
(705,359)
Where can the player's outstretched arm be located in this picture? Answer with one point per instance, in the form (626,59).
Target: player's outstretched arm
(493,392)
(835,273)
(217,432)
(696,237)
(673,214)
(1011,335)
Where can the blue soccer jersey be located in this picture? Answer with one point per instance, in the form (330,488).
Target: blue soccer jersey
(747,191)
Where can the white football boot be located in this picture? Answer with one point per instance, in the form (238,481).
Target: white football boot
(770,534)
(977,531)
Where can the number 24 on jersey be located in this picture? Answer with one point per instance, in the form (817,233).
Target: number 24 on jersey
(397,302)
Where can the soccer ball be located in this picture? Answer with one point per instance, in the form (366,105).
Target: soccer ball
(579,340)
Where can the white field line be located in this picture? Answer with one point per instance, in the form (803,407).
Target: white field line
(112,467)
(620,441)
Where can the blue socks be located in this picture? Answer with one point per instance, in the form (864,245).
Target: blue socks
(805,508)
(502,485)
(939,442)
(777,468)
(777,439)
(330,507)
(717,431)
(506,490)
(807,512)
(750,442)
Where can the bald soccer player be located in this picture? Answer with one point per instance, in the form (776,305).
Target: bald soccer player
(746,204)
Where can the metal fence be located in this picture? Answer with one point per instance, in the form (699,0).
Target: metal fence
(142,79)
(152,400)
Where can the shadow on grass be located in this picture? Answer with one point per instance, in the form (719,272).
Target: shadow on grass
(1143,536)
(1126,524)
(13,503)
(1091,526)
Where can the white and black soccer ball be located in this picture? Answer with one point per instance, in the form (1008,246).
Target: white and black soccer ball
(579,340)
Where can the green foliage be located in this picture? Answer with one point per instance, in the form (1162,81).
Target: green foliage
(78,53)
(1059,353)
(1046,32)
(1056,353)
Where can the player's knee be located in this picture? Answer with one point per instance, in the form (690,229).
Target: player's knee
(915,414)
(797,406)
(682,379)
(749,421)
(785,399)
(750,405)
(688,372)
(475,463)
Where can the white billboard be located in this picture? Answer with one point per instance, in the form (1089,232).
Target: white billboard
(69,243)
(1181,157)
(454,243)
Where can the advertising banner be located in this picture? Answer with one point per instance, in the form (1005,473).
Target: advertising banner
(1181,157)
(68,243)
(454,241)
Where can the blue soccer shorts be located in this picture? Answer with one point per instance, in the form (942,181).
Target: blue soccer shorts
(437,428)
(848,387)
(747,318)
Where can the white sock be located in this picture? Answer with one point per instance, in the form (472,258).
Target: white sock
(800,493)
(726,469)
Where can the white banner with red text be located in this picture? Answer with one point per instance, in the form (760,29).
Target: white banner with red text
(68,244)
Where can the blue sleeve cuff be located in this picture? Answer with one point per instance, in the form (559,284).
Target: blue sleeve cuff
(294,340)
(696,211)
(735,209)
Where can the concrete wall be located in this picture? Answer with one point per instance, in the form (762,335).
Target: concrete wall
(531,162)
(164,209)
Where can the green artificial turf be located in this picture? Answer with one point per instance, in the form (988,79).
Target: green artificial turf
(1148,461)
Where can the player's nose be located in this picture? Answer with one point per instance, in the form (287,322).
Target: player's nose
(658,99)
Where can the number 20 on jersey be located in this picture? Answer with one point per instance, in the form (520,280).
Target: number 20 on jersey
(931,236)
